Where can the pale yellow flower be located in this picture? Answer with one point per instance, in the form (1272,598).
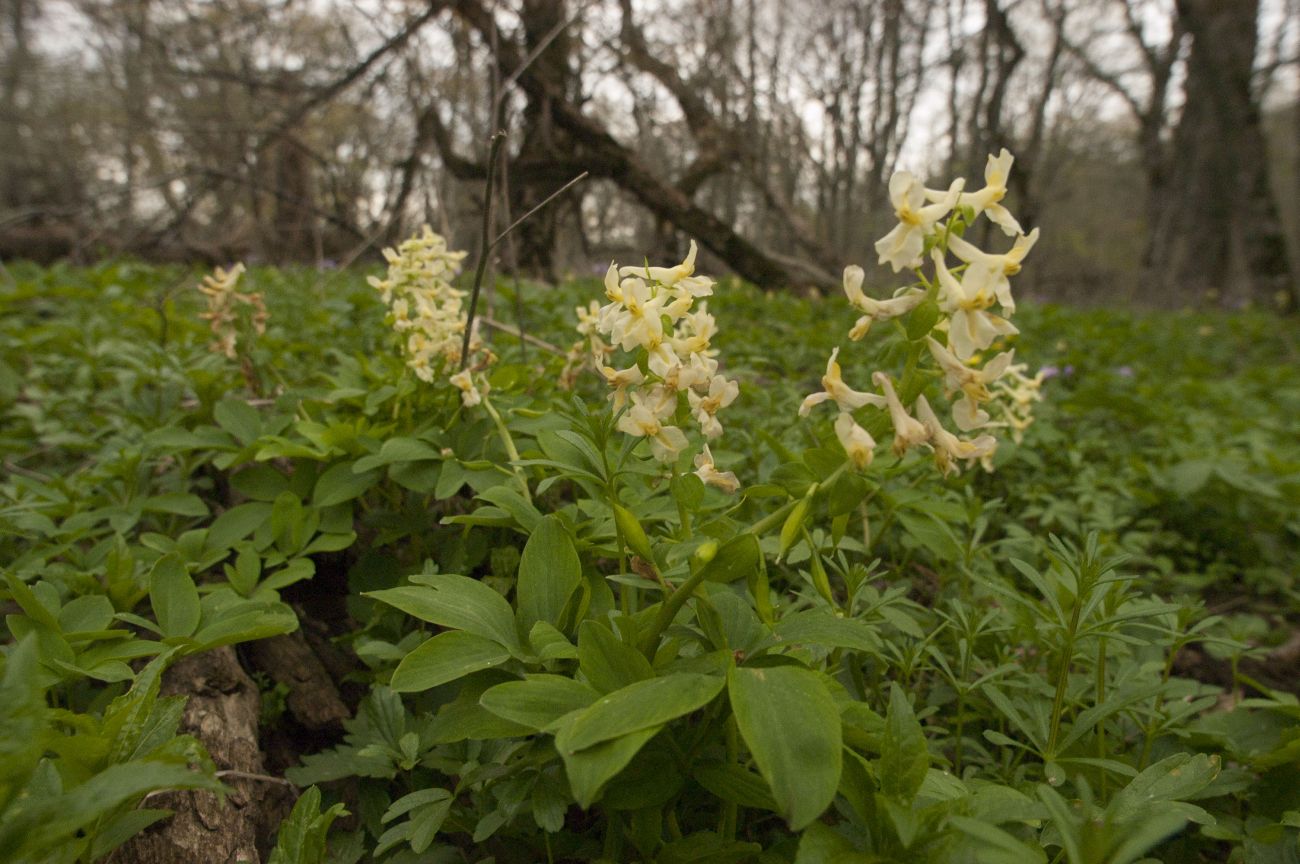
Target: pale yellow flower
(901,248)
(642,420)
(834,388)
(876,310)
(470,395)
(721,393)
(621,380)
(948,448)
(668,276)
(1000,267)
(972,327)
(986,200)
(857,442)
(908,431)
(708,472)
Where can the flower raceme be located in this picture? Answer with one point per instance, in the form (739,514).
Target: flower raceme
(672,372)
(427,312)
(224,303)
(997,394)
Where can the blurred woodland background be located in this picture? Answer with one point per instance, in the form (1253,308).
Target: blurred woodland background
(1156,141)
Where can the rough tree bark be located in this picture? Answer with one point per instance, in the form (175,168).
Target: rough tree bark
(222,711)
(1217,229)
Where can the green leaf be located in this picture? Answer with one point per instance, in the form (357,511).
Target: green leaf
(174,597)
(239,419)
(550,644)
(821,844)
(735,559)
(589,770)
(549,572)
(608,663)
(458,603)
(340,483)
(931,533)
(179,503)
(996,846)
(446,657)
(904,756)
(638,706)
(235,524)
(731,782)
(1175,778)
(792,727)
(301,839)
(396,450)
(244,622)
(822,627)
(539,701)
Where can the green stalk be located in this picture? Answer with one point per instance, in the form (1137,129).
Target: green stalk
(668,611)
(511,451)
(1149,734)
(1063,677)
(1100,686)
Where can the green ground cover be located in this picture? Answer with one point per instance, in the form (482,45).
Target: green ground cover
(1085,655)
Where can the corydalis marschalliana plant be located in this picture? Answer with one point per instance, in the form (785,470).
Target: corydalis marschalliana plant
(230,309)
(426,311)
(964,326)
(670,369)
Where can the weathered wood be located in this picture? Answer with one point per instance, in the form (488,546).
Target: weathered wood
(313,699)
(222,712)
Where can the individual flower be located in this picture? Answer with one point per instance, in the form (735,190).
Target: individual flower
(621,380)
(971,381)
(834,388)
(996,172)
(971,327)
(901,248)
(876,310)
(948,448)
(1000,267)
(721,393)
(642,420)
(694,331)
(634,321)
(470,395)
(857,442)
(667,276)
(908,431)
(708,472)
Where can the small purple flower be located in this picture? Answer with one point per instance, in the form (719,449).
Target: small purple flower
(1124,371)
(1049,372)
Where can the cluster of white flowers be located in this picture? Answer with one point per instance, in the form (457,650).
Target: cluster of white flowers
(426,312)
(652,315)
(964,298)
(223,311)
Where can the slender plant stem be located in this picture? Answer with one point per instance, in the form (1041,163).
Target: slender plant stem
(508,440)
(1063,677)
(668,611)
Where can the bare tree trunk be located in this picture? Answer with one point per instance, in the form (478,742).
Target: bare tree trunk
(1216,229)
